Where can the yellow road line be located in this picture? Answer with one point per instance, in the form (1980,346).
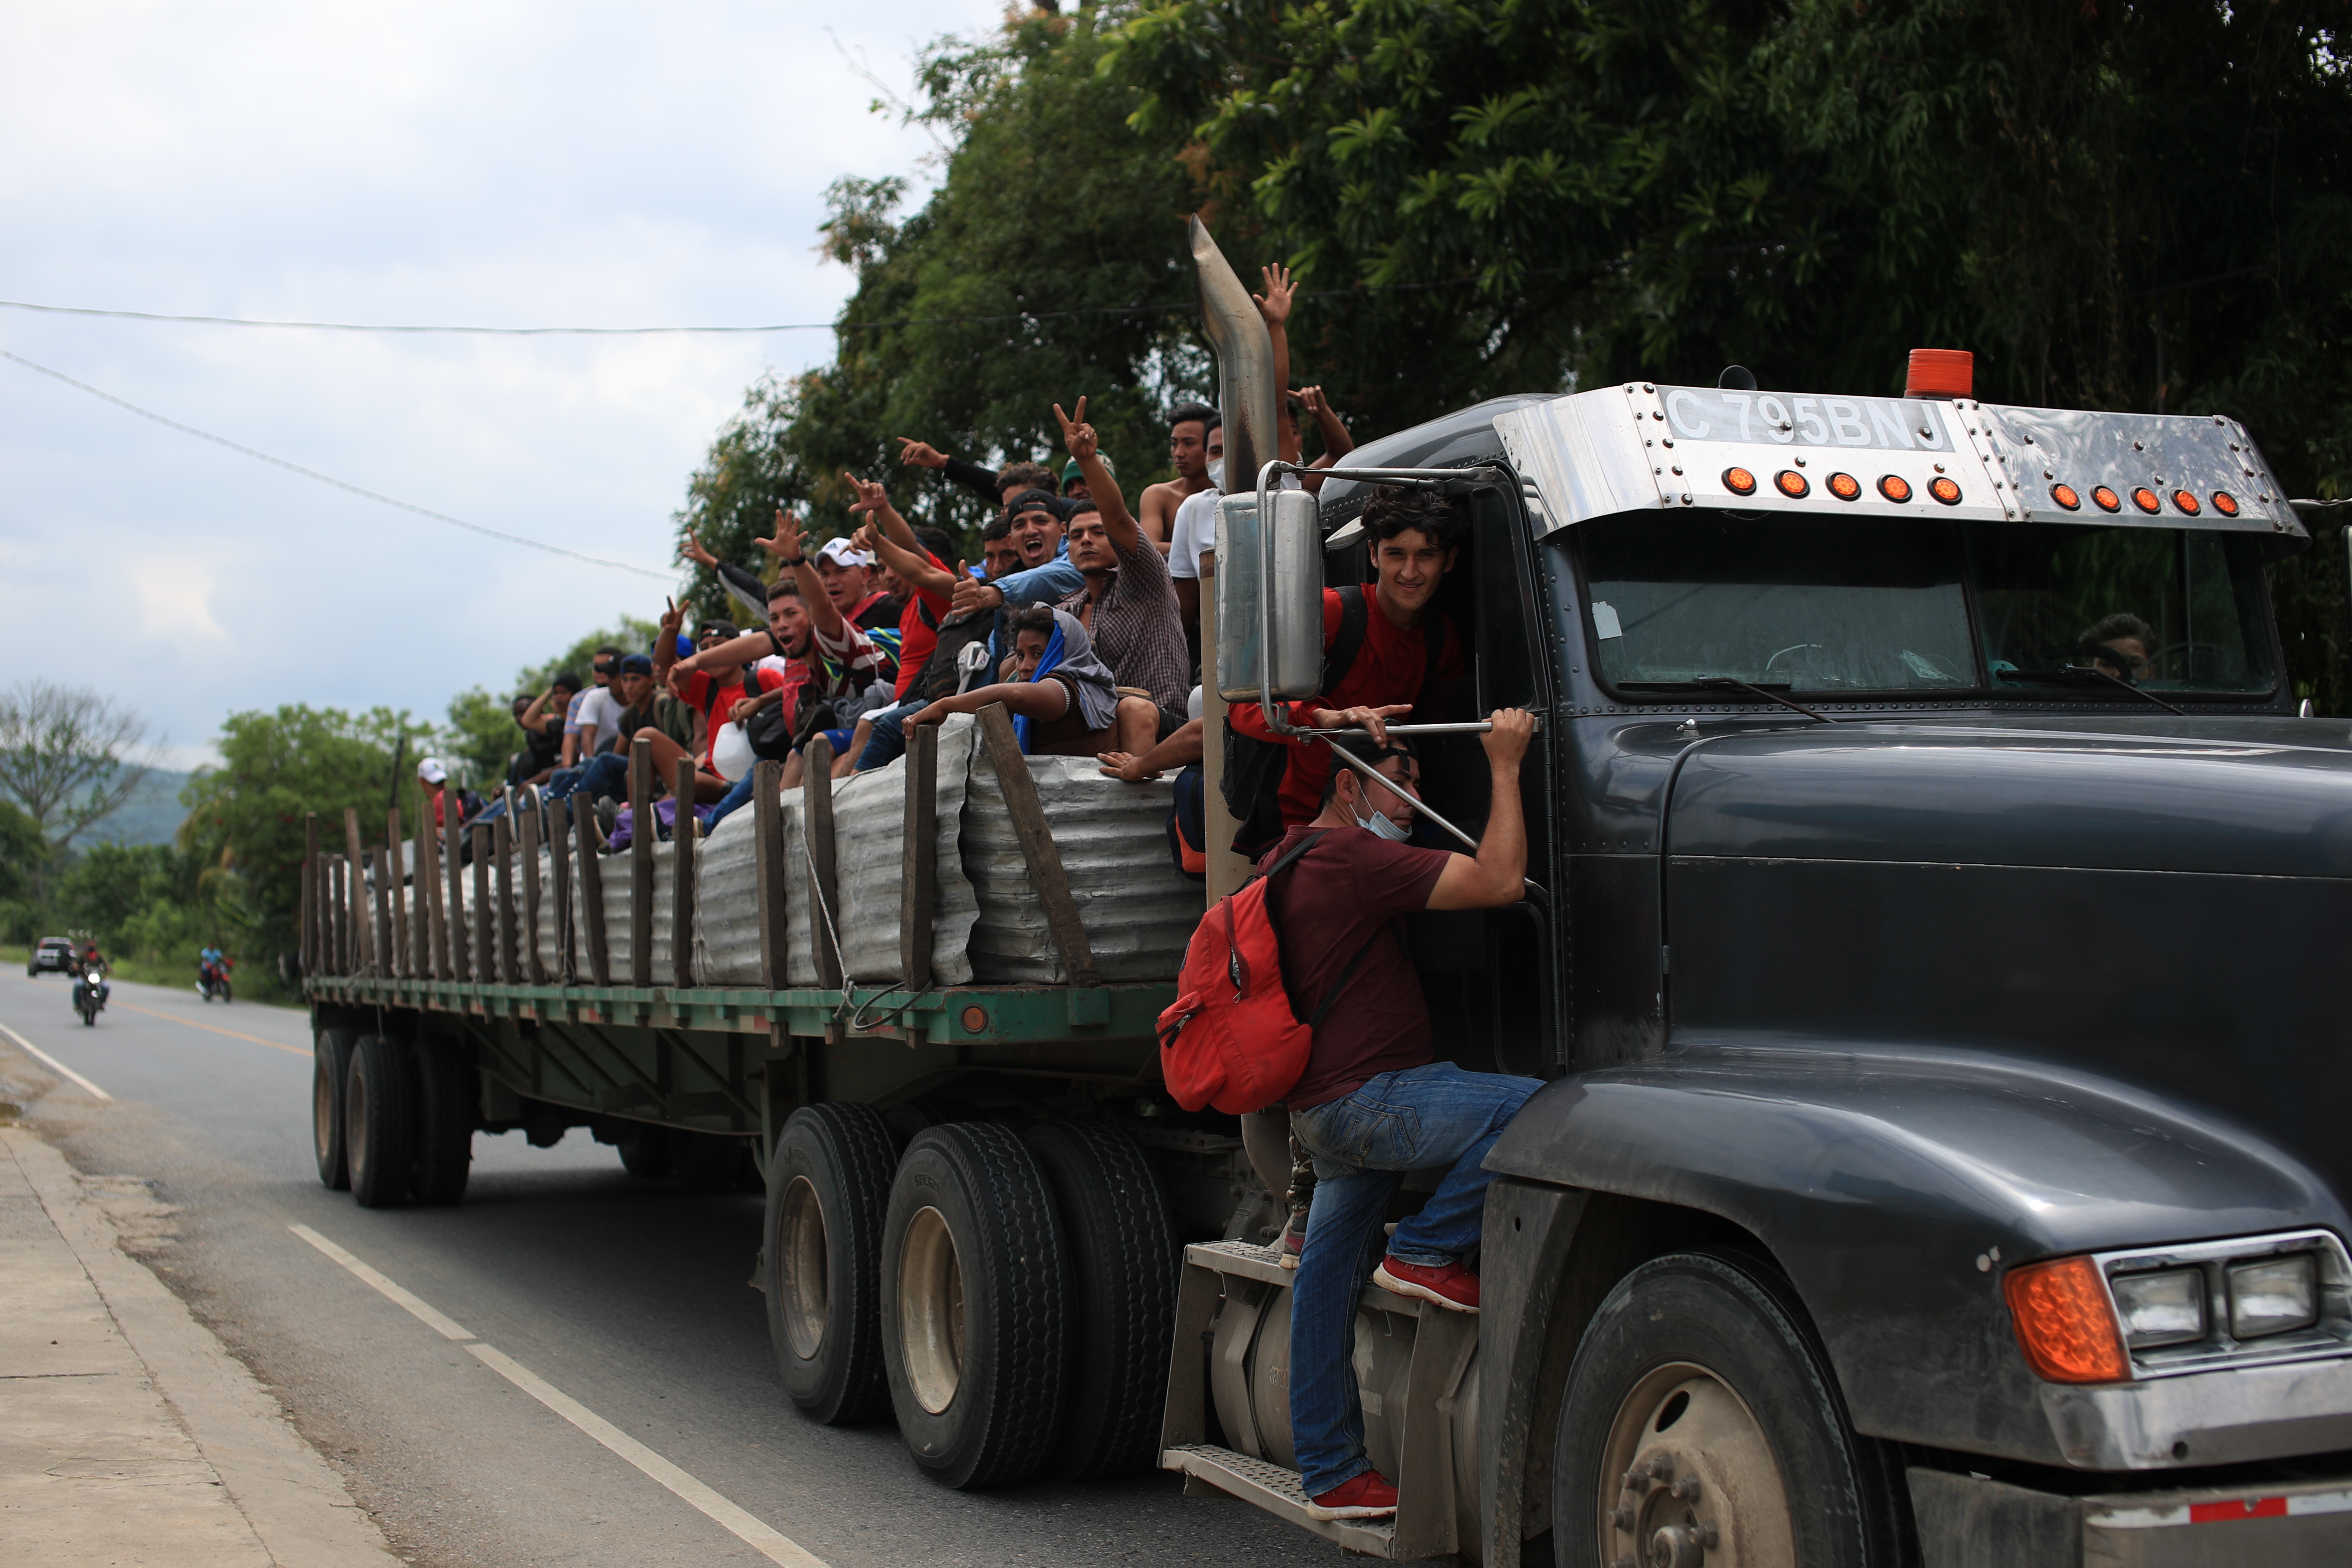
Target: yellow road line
(211,1028)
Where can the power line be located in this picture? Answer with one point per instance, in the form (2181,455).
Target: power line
(328,478)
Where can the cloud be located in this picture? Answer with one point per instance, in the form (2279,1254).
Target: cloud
(176,600)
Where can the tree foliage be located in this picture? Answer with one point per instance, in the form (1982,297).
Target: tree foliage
(69,757)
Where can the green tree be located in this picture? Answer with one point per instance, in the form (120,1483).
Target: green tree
(69,757)
(24,855)
(482,735)
(248,817)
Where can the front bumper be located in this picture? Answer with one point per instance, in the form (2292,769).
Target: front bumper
(2227,1416)
(1968,1521)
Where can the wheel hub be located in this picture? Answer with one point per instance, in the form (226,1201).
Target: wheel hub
(1690,1479)
(930,1311)
(805,1283)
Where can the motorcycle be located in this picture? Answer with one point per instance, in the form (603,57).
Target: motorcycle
(212,981)
(89,995)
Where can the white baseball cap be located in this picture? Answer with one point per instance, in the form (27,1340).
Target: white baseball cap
(841,552)
(430,770)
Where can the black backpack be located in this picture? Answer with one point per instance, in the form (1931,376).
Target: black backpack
(1252,781)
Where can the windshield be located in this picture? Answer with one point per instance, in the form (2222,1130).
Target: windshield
(1811,603)
(2167,607)
(1825,605)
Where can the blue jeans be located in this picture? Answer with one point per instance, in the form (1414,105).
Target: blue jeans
(737,794)
(599,777)
(886,741)
(1364,1143)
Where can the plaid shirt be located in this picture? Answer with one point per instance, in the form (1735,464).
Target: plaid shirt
(1138,629)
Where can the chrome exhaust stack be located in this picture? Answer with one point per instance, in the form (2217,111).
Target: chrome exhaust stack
(1245,391)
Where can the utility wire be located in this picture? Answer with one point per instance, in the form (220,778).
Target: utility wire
(328,478)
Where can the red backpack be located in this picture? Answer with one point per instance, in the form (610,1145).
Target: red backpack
(1232,1040)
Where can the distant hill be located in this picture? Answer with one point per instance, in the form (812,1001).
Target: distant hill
(151,816)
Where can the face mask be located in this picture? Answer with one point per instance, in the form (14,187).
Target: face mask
(1381,827)
(1217,473)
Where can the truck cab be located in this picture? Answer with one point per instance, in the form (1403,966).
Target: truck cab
(1932,953)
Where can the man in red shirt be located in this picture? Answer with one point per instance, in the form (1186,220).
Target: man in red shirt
(1374,1102)
(1400,648)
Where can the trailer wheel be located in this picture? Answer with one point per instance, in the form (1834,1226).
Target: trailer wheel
(1701,1419)
(446,1090)
(1123,1264)
(819,1260)
(379,1120)
(331,1062)
(974,1306)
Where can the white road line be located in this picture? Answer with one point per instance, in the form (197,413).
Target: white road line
(771,1544)
(44,1055)
(446,1328)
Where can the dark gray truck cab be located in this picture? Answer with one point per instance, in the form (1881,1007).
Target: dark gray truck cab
(1922,970)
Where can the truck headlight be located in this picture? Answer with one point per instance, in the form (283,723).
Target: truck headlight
(2160,1309)
(2276,1296)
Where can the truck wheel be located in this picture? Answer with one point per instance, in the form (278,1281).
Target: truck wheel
(446,1090)
(1701,1420)
(331,1062)
(1123,1262)
(379,1120)
(819,1260)
(974,1291)
(644,1150)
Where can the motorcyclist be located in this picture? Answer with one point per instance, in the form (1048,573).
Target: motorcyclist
(212,969)
(90,960)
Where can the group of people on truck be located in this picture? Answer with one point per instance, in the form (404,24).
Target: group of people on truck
(1082,620)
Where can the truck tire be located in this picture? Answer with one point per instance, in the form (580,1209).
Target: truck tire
(819,1260)
(379,1120)
(331,1062)
(975,1292)
(447,1088)
(1123,1264)
(1700,1368)
(644,1151)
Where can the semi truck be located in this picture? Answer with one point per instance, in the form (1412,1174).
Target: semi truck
(1931,946)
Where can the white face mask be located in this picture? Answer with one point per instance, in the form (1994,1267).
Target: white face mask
(1217,473)
(1380,825)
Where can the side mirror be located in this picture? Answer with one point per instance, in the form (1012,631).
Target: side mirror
(1292,665)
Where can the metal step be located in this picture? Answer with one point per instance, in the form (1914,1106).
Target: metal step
(1276,1489)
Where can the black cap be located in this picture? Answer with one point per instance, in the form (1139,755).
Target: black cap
(1035,500)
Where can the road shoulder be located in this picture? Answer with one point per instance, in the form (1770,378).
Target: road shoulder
(131,1433)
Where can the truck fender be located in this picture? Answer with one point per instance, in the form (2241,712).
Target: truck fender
(1894,1184)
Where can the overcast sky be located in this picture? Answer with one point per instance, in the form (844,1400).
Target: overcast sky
(506,162)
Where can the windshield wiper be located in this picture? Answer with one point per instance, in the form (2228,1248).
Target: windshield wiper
(1724,683)
(2087,674)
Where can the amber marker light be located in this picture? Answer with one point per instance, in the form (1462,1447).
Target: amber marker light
(1895,487)
(2065,495)
(2185,501)
(2064,1323)
(2144,499)
(1845,486)
(1944,490)
(1791,484)
(2108,500)
(1740,482)
(2225,503)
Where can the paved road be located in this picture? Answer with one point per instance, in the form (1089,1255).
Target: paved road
(629,1298)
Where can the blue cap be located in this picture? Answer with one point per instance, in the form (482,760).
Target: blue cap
(684,646)
(636,664)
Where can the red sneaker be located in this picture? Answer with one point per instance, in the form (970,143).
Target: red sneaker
(1453,1287)
(1292,1243)
(1368,1496)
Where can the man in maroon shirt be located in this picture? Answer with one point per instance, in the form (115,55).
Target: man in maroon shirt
(1374,1102)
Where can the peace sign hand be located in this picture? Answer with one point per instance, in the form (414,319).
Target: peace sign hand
(672,616)
(1078,436)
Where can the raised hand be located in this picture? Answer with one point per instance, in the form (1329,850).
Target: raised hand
(1078,436)
(1274,303)
(672,617)
(970,594)
(870,497)
(786,545)
(693,550)
(919,454)
(1311,399)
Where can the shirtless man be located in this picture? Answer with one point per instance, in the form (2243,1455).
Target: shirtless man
(1187,450)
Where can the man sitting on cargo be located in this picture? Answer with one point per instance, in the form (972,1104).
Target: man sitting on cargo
(1044,575)
(1064,698)
(1128,605)
(1373,1102)
(1401,647)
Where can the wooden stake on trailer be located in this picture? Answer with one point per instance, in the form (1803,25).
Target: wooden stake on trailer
(768,850)
(591,898)
(533,971)
(682,836)
(1045,875)
(362,944)
(434,960)
(816,833)
(919,883)
(641,861)
(486,914)
(558,854)
(339,960)
(380,917)
(403,963)
(453,850)
(502,847)
(311,947)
